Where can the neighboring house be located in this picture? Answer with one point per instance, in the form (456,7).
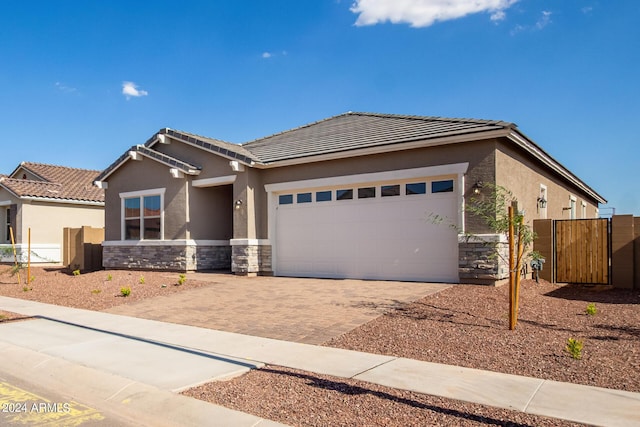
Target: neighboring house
(46,199)
(345,197)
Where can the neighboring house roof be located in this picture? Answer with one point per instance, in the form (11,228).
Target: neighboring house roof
(59,183)
(351,134)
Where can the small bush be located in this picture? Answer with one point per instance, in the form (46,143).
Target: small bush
(574,348)
(591,309)
(181,279)
(109,277)
(141,281)
(26,289)
(76,272)
(125,291)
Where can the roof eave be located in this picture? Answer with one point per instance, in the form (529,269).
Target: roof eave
(64,201)
(532,148)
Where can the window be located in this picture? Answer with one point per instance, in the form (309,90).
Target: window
(390,190)
(366,192)
(442,186)
(416,188)
(344,194)
(142,215)
(323,196)
(285,199)
(303,198)
(583,209)
(572,207)
(8,222)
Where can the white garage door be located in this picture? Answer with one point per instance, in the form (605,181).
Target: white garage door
(373,231)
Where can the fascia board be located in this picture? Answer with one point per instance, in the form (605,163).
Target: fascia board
(64,201)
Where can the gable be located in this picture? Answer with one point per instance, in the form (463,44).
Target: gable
(53,183)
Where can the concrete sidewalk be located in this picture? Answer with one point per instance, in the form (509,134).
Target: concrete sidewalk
(72,335)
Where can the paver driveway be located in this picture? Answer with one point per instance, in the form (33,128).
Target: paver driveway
(301,310)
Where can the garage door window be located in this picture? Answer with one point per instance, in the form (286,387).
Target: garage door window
(366,192)
(442,186)
(303,198)
(390,190)
(416,188)
(344,194)
(285,199)
(323,196)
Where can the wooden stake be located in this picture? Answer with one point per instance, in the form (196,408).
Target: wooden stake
(29,256)
(511,276)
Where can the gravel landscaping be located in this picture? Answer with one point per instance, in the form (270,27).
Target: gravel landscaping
(461,325)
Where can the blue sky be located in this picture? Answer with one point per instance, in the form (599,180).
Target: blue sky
(81,81)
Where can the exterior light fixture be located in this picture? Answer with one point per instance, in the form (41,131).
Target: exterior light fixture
(237,204)
(542,202)
(477,187)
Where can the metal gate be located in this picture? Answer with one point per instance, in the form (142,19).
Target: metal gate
(582,251)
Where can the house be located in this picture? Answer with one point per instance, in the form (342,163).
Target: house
(345,197)
(46,199)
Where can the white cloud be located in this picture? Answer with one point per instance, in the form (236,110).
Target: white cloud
(422,13)
(544,20)
(130,89)
(64,88)
(266,55)
(498,15)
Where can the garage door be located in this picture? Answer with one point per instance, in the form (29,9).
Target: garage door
(380,231)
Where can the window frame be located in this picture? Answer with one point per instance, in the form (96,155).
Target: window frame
(141,195)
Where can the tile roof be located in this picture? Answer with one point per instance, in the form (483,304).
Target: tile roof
(217,146)
(352,131)
(58,182)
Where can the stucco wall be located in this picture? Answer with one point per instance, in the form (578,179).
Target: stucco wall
(478,154)
(523,176)
(209,216)
(144,175)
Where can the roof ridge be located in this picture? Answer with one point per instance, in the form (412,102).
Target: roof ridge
(25,164)
(432,118)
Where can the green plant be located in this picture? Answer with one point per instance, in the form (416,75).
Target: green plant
(76,272)
(109,277)
(591,309)
(26,289)
(141,281)
(181,279)
(574,348)
(96,291)
(32,279)
(125,291)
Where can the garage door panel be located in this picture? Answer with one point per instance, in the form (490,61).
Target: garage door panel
(382,238)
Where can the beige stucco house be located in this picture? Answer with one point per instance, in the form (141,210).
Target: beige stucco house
(345,197)
(46,199)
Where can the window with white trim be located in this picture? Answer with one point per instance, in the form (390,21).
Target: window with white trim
(583,209)
(142,215)
(572,207)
